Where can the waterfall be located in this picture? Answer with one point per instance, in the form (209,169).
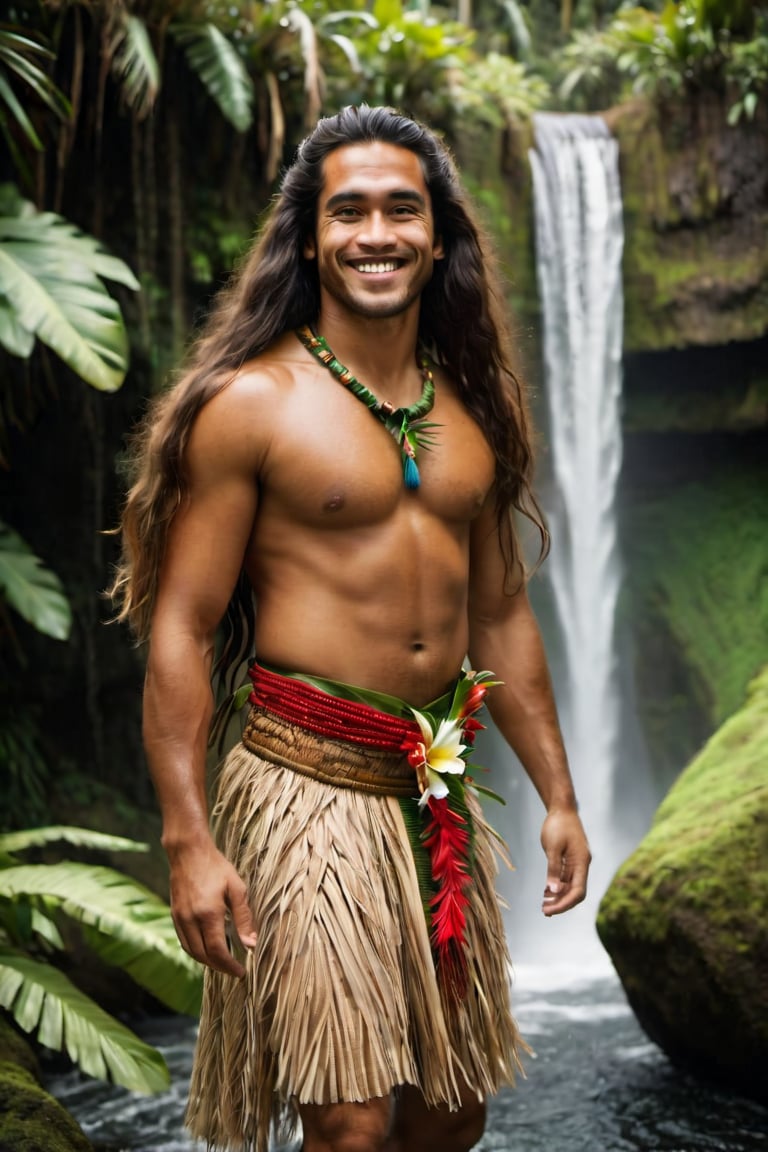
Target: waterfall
(579,242)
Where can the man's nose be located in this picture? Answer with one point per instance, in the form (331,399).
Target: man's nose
(377,229)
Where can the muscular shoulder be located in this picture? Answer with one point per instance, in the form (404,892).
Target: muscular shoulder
(234,428)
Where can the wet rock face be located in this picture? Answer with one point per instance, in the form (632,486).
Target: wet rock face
(695,194)
(684,919)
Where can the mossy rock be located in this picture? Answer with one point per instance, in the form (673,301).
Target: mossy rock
(14,1049)
(695,216)
(696,585)
(684,918)
(31,1120)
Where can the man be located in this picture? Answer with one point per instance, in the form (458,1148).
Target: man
(346,449)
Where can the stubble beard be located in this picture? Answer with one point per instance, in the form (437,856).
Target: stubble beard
(369,308)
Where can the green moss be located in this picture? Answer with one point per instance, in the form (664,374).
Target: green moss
(697,571)
(737,403)
(695,269)
(497,173)
(684,918)
(31,1120)
(704,857)
(14,1049)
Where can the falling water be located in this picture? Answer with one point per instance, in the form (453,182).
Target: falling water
(579,242)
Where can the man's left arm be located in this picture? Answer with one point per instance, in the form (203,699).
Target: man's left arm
(504,637)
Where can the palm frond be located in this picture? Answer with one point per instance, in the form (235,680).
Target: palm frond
(42,1000)
(135,64)
(221,69)
(16,52)
(14,106)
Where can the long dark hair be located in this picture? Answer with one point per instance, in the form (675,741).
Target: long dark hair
(275,290)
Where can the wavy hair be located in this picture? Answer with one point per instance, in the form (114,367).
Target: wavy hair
(276,289)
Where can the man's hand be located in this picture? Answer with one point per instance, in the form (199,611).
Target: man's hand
(568,860)
(206,892)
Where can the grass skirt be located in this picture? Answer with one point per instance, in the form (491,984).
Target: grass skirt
(340,1001)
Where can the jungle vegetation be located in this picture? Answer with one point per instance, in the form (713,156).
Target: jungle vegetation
(139,144)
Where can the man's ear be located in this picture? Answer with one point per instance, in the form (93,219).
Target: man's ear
(438,251)
(310,248)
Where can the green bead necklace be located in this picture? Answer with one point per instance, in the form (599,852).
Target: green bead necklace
(407,425)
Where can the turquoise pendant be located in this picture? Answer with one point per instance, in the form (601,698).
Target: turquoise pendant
(410,472)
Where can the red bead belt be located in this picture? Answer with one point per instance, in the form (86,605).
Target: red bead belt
(325,715)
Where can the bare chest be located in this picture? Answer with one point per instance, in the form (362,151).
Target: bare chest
(333,463)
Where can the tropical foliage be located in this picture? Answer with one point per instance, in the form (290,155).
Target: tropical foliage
(122,923)
(51,289)
(687,48)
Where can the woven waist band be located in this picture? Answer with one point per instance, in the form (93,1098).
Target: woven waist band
(335,740)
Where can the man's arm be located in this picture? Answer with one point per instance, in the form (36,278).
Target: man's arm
(505,638)
(204,555)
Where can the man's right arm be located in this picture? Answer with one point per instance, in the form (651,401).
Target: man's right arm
(204,554)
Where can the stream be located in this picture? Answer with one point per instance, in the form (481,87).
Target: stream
(596,1084)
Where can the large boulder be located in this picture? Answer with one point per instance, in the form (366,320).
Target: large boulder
(684,919)
(30,1119)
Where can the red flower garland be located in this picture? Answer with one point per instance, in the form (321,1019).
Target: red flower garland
(447,839)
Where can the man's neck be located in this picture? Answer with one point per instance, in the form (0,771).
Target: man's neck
(380,352)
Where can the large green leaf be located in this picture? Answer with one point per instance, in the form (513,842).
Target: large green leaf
(51,278)
(64,833)
(44,1001)
(221,69)
(13,336)
(31,589)
(126,924)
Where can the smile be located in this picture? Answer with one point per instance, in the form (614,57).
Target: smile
(377,266)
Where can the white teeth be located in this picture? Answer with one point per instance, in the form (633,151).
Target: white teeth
(384,266)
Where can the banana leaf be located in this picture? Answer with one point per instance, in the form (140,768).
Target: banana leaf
(42,1000)
(63,833)
(125,923)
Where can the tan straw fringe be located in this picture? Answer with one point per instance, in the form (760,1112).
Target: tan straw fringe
(340,1000)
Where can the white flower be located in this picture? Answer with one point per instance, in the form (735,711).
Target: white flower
(442,754)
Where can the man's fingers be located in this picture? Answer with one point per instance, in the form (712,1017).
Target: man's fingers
(568,860)
(240,911)
(566,886)
(556,878)
(217,954)
(207,944)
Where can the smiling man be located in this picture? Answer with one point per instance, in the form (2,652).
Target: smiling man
(336,476)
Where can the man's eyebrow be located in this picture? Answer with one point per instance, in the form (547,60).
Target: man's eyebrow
(352,197)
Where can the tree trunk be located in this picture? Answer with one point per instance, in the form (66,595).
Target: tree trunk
(176,230)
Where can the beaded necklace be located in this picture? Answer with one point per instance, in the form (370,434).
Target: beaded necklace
(407,425)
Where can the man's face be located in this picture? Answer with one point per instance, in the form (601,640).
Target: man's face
(375,241)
